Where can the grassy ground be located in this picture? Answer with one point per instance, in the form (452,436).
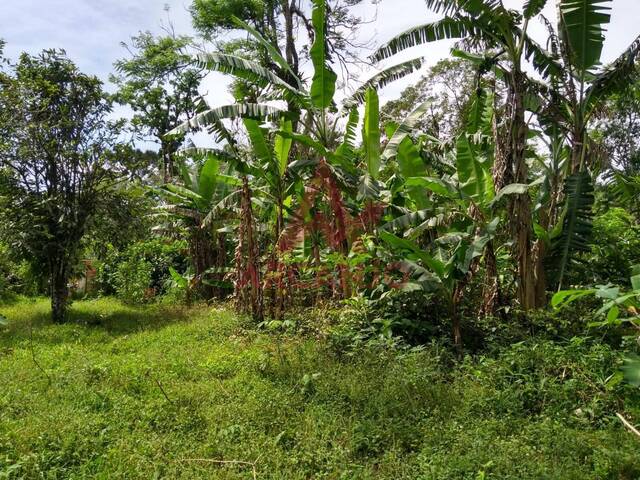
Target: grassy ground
(156,392)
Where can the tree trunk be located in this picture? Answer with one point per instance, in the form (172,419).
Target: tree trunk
(491,292)
(455,318)
(167,163)
(248,285)
(519,205)
(59,291)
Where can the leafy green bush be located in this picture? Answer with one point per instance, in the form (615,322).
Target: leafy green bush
(133,280)
(615,248)
(16,277)
(142,269)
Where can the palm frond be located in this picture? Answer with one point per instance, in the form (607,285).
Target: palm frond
(250,71)
(533,7)
(545,63)
(577,225)
(404,129)
(211,118)
(382,79)
(446,28)
(582,28)
(615,76)
(274,53)
(348,146)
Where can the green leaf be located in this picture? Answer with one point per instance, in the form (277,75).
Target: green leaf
(564,297)
(207,179)
(348,146)
(614,77)
(435,185)
(242,110)
(382,79)
(476,249)
(582,28)
(258,141)
(613,314)
(282,146)
(371,132)
(252,72)
(4,321)
(576,227)
(480,118)
(474,173)
(541,234)
(447,28)
(407,220)
(631,370)
(533,7)
(368,189)
(635,283)
(274,54)
(511,189)
(404,129)
(180,280)
(183,192)
(434,264)
(409,159)
(323,85)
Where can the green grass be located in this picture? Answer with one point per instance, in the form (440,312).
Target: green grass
(126,392)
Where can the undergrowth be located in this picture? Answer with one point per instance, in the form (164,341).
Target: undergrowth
(162,392)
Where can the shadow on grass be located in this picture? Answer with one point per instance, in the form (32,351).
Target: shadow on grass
(105,317)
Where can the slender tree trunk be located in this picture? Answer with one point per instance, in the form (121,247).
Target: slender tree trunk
(167,163)
(491,293)
(59,290)
(248,285)
(455,318)
(519,205)
(201,246)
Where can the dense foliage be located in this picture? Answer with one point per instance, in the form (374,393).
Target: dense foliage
(464,259)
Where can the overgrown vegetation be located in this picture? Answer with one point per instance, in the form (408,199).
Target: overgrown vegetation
(445,285)
(138,392)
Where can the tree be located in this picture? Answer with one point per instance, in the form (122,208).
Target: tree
(160,84)
(490,25)
(200,205)
(282,23)
(578,88)
(449,84)
(57,155)
(619,128)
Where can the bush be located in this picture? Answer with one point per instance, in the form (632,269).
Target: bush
(615,249)
(133,280)
(16,277)
(142,269)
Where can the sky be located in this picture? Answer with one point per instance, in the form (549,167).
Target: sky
(91,31)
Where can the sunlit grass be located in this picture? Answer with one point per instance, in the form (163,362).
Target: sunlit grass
(160,392)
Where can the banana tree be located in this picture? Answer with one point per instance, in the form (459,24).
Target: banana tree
(572,96)
(489,23)
(193,204)
(460,210)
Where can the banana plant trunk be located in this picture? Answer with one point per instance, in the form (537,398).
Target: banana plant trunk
(517,172)
(491,297)
(248,284)
(202,256)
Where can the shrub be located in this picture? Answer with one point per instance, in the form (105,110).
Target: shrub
(615,248)
(133,280)
(145,264)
